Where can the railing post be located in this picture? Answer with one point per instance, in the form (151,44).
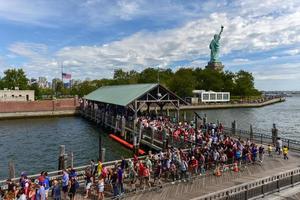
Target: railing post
(261,138)
(204,120)
(278,184)
(233,127)
(288,143)
(164,145)
(292,179)
(262,188)
(251,132)
(152,134)
(227,195)
(246,192)
(116,124)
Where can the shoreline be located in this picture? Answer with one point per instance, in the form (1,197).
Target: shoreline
(38,114)
(75,111)
(230,105)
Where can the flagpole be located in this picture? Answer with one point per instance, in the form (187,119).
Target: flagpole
(62,71)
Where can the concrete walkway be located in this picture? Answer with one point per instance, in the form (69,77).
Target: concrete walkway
(208,184)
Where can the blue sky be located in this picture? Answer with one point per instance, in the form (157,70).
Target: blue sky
(91,38)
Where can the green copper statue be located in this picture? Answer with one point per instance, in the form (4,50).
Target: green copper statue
(215,46)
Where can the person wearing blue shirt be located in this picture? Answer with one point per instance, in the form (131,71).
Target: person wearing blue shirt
(65,183)
(41,193)
(47,184)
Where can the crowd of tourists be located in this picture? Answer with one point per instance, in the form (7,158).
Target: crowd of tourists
(211,151)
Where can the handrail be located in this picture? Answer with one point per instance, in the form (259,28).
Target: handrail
(291,143)
(80,171)
(250,185)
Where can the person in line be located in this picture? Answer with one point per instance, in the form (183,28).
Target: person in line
(114,182)
(270,150)
(279,146)
(56,194)
(120,172)
(22,195)
(72,188)
(146,176)
(285,151)
(32,192)
(261,152)
(65,184)
(47,184)
(41,193)
(100,188)
(88,182)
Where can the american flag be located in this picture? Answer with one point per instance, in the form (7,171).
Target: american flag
(66,76)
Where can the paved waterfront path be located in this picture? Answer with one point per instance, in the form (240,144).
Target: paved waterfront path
(209,184)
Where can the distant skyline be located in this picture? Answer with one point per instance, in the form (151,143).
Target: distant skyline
(91,38)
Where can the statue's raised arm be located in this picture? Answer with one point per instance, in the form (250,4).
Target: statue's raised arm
(222,27)
(214,47)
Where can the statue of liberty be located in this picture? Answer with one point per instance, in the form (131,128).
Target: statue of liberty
(214,47)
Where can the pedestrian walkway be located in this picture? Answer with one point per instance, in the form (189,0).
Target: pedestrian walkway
(208,184)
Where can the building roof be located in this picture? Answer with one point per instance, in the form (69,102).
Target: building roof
(119,94)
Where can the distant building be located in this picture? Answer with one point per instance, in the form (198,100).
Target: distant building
(209,96)
(32,81)
(42,82)
(16,95)
(54,82)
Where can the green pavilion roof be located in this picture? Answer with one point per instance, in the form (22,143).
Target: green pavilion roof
(119,94)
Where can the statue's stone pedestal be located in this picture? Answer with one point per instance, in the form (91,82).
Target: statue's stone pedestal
(218,66)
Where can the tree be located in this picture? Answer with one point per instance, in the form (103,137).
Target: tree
(244,84)
(15,78)
(183,82)
(37,90)
(228,80)
(210,80)
(122,77)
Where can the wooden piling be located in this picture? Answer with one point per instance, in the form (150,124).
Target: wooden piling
(103,150)
(251,132)
(61,159)
(11,170)
(135,149)
(123,126)
(71,159)
(274,134)
(100,147)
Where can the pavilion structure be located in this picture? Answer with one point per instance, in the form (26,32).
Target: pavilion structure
(119,106)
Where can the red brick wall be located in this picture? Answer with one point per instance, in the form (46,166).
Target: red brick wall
(34,106)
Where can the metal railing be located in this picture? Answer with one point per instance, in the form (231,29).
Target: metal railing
(257,188)
(261,138)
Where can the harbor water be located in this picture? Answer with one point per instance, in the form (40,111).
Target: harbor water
(33,144)
(286,116)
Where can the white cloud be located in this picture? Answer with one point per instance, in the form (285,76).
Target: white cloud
(250,26)
(292,52)
(240,60)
